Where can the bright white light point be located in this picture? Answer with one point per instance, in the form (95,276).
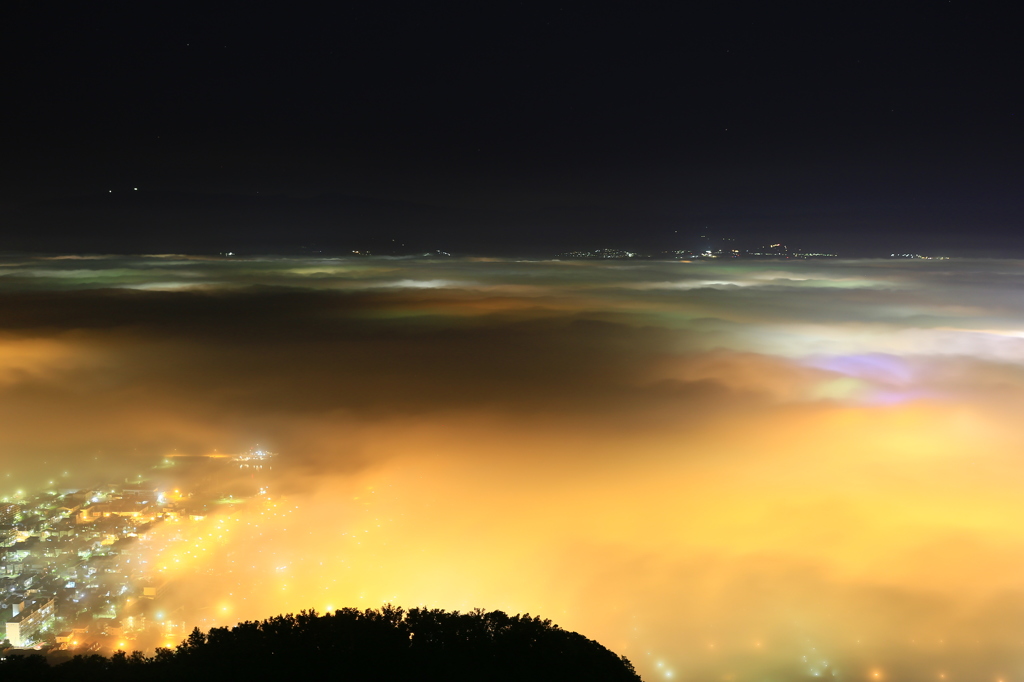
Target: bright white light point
(136,189)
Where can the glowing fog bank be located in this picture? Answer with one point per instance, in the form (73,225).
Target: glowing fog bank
(747,471)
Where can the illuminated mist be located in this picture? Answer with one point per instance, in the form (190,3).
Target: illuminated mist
(736,471)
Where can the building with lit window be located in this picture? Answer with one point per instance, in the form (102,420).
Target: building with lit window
(26,623)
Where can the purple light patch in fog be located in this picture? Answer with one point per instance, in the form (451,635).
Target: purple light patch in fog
(874,367)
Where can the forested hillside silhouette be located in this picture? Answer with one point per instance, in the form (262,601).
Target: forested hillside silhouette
(385,645)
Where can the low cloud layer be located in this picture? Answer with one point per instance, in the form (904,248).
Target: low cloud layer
(721,470)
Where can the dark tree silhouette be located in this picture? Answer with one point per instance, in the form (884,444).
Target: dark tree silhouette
(349,645)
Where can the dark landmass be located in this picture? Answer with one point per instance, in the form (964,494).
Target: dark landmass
(389,644)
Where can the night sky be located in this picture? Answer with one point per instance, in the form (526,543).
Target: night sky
(510,128)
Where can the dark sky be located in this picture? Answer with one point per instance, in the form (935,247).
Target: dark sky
(504,127)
